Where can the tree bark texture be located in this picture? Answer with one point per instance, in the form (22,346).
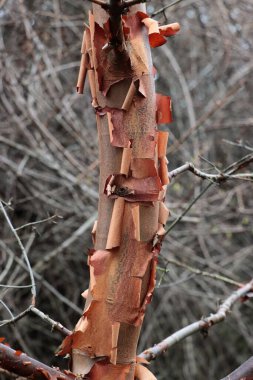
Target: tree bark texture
(133,180)
(23,365)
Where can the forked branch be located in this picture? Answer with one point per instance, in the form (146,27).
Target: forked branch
(201,325)
(221,176)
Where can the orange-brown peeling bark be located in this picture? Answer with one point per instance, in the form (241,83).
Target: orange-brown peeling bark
(133,181)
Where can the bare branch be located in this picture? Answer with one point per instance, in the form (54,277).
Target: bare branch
(163,9)
(201,325)
(23,365)
(54,324)
(180,217)
(244,372)
(33,287)
(215,276)
(240,144)
(188,166)
(226,174)
(38,222)
(16,318)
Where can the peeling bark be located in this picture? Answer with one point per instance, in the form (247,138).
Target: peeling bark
(133,180)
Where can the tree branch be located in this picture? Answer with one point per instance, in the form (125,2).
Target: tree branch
(23,365)
(180,217)
(33,286)
(163,9)
(223,176)
(244,372)
(226,174)
(215,276)
(54,324)
(201,325)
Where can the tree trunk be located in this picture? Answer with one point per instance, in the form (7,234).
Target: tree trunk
(133,179)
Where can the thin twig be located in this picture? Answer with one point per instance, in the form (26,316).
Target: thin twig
(240,144)
(221,177)
(180,217)
(38,222)
(201,325)
(215,276)
(54,324)
(15,286)
(33,287)
(163,9)
(16,318)
(7,308)
(226,174)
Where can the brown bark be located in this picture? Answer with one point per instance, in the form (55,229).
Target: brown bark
(23,365)
(131,193)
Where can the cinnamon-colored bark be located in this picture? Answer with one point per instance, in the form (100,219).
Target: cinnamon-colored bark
(133,179)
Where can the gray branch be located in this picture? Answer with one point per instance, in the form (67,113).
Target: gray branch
(220,177)
(33,286)
(201,325)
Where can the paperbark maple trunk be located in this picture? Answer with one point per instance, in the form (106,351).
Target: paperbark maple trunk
(133,180)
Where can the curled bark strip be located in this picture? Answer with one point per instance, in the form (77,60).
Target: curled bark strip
(93,232)
(157,33)
(164,109)
(133,189)
(163,162)
(23,365)
(114,234)
(83,69)
(125,161)
(91,75)
(130,96)
(162,143)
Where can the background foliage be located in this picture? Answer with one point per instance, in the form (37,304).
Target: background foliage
(49,167)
